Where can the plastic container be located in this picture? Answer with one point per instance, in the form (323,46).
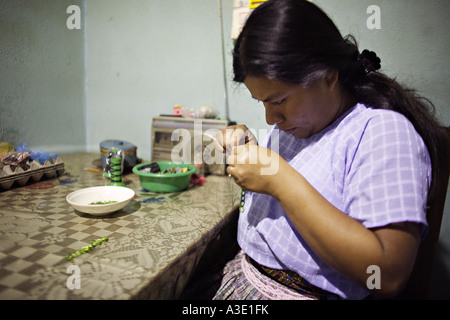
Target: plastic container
(163,183)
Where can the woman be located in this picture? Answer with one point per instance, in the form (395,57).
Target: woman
(348,164)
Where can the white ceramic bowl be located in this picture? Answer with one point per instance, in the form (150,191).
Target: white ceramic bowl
(80,200)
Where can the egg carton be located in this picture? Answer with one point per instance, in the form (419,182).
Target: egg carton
(34,172)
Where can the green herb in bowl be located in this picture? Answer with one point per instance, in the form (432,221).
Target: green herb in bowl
(101,202)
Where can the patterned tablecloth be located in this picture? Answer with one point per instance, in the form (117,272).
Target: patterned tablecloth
(154,243)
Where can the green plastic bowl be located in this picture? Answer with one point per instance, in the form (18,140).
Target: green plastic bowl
(171,182)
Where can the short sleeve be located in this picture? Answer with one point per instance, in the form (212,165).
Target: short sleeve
(389,175)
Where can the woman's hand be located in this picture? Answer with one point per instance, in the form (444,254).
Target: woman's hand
(234,136)
(257,169)
(253,168)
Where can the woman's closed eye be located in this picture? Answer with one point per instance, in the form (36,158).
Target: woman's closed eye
(272,102)
(279,102)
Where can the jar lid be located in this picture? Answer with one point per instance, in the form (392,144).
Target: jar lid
(116,144)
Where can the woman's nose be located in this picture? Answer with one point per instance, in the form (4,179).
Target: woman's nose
(272,116)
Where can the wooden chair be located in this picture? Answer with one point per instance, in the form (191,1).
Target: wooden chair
(418,285)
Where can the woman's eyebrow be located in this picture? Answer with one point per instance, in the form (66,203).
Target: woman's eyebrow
(268,99)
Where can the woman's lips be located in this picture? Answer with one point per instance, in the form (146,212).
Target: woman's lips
(289,131)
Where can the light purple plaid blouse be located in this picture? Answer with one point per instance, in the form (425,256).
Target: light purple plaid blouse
(370,164)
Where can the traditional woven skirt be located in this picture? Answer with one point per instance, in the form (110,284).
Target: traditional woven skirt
(243,280)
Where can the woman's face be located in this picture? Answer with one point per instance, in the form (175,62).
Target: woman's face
(299,110)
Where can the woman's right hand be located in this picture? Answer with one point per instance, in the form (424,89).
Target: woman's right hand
(234,136)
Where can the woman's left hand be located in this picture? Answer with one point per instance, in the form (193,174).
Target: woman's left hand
(256,168)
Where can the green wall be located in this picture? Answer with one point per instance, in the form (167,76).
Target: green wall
(42,76)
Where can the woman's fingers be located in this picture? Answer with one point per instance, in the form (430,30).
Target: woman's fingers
(233,136)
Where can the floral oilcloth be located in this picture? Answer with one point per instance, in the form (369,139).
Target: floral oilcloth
(154,243)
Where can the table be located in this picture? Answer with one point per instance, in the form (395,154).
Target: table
(154,244)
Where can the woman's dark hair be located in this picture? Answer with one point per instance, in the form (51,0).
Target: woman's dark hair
(295,42)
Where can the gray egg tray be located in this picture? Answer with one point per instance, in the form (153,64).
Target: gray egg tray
(35,173)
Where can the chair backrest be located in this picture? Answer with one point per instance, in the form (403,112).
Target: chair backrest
(419,282)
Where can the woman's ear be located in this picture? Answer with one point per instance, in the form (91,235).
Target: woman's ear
(332,78)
